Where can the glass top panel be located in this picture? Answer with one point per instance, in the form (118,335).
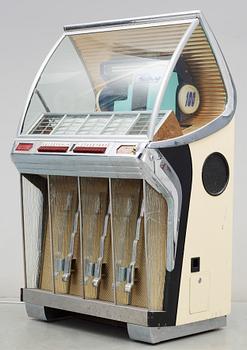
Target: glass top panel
(104,83)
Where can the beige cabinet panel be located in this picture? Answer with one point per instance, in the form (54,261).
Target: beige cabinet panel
(199,292)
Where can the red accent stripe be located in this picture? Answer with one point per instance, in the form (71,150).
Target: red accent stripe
(24,147)
(61,149)
(84,149)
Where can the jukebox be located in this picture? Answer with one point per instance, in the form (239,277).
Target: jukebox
(125,154)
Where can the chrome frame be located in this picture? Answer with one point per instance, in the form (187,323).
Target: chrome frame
(127,26)
(23,232)
(161,176)
(113,247)
(175,16)
(81,236)
(51,236)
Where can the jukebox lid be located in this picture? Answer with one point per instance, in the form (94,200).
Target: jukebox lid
(121,80)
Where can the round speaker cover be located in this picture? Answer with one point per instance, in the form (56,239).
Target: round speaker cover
(215,174)
(188,99)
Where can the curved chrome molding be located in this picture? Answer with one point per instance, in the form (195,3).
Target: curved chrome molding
(104,29)
(167,76)
(187,15)
(223,119)
(159,174)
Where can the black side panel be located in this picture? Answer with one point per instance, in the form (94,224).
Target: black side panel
(21,294)
(180,159)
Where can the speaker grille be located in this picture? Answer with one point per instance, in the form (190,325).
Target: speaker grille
(215,174)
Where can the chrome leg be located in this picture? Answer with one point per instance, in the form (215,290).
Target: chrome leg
(154,335)
(44,313)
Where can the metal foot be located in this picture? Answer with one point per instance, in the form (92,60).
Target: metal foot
(155,335)
(45,313)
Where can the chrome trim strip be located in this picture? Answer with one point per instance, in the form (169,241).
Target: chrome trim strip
(113,247)
(77,138)
(174,203)
(129,314)
(81,236)
(127,26)
(23,231)
(167,75)
(51,233)
(147,262)
(160,175)
(128,21)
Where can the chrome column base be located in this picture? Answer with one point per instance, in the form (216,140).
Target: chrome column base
(73,304)
(44,313)
(47,306)
(154,335)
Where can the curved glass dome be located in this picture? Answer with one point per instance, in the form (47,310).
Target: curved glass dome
(126,81)
(104,83)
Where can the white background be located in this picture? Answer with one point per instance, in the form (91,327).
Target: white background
(30,28)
